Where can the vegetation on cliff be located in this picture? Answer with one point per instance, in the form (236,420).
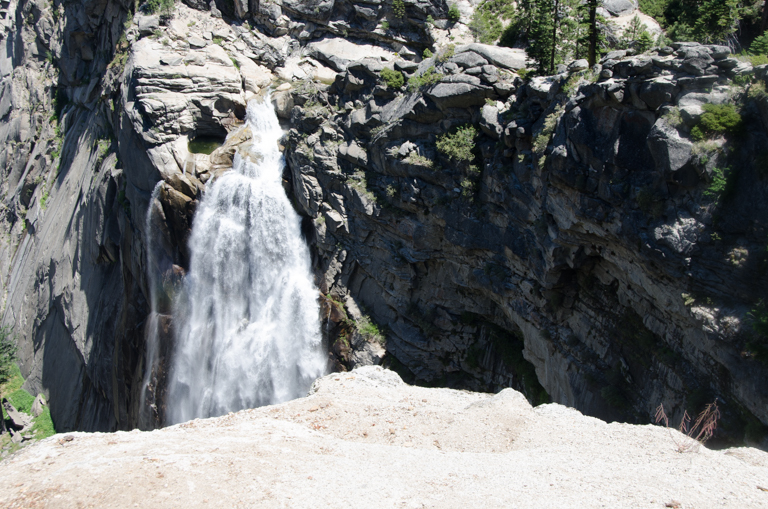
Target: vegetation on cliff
(11,390)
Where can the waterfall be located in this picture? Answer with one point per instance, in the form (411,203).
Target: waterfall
(156,263)
(247,327)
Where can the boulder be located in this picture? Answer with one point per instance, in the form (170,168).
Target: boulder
(728,63)
(680,236)
(742,69)
(489,121)
(614,55)
(309,193)
(657,92)
(353,153)
(283,101)
(316,10)
(457,95)
(509,58)
(338,52)
(147,24)
(468,59)
(38,405)
(761,71)
(578,65)
(619,7)
(718,52)
(669,150)
(696,59)
(18,420)
(365,353)
(691,113)
(335,221)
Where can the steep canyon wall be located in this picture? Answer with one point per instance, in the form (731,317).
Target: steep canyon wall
(578,254)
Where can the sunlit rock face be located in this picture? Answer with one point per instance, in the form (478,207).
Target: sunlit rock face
(577,257)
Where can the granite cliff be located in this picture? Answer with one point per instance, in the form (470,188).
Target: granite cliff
(580,251)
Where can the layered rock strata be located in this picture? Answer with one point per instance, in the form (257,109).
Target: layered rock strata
(584,231)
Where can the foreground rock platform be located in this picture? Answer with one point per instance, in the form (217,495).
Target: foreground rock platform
(366,439)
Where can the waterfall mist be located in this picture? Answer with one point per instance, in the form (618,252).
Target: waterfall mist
(247,329)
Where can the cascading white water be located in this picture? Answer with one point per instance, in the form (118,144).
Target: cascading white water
(156,263)
(248,328)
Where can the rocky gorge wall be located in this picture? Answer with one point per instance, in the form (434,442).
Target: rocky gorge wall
(584,233)
(576,257)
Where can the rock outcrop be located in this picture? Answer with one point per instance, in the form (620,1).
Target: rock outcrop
(394,445)
(583,232)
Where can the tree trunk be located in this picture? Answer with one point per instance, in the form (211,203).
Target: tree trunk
(764,20)
(592,54)
(554,36)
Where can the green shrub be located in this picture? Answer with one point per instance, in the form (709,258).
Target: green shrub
(718,184)
(717,119)
(385,25)
(160,6)
(459,145)
(369,330)
(454,14)
(644,42)
(430,20)
(446,53)
(21,400)
(393,79)
(43,425)
(760,45)
(550,122)
(7,355)
(655,9)
(398,7)
(427,53)
(488,19)
(427,78)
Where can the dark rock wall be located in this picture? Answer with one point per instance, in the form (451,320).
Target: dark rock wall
(595,250)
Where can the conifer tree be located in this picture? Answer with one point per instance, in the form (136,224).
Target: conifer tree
(540,34)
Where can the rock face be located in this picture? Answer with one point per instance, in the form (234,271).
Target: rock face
(98,102)
(577,255)
(408,445)
(580,236)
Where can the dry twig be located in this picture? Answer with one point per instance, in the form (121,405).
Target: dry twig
(702,430)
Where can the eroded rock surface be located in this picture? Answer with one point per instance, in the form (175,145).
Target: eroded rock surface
(578,234)
(408,445)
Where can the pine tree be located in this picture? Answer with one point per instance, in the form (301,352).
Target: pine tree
(644,42)
(760,45)
(554,33)
(540,34)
